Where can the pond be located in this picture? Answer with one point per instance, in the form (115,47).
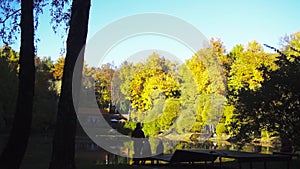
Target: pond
(87,150)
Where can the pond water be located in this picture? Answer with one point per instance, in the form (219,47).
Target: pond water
(90,152)
(86,150)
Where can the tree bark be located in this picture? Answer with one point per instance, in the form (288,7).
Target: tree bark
(63,152)
(13,153)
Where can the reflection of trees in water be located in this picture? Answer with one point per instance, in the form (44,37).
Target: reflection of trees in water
(88,150)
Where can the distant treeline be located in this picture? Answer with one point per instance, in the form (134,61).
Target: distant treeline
(239,93)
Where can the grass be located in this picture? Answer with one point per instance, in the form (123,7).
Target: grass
(39,152)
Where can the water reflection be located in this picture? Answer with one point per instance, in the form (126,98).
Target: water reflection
(88,151)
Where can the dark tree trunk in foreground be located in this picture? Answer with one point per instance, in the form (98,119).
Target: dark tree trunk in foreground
(13,153)
(63,151)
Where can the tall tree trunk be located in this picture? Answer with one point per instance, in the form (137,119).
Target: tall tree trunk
(63,151)
(14,151)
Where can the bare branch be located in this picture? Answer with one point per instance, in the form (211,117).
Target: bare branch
(294,49)
(9,15)
(275,49)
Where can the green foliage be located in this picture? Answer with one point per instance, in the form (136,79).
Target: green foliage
(156,77)
(291,45)
(57,69)
(203,82)
(103,78)
(151,128)
(220,129)
(96,80)
(200,73)
(118,99)
(130,125)
(180,99)
(188,87)
(245,71)
(170,112)
(185,122)
(229,118)
(278,97)
(126,73)
(121,87)
(45,98)
(156,86)
(8,53)
(156,110)
(207,70)
(162,119)
(8,86)
(171,98)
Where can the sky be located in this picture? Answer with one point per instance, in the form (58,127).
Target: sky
(233,21)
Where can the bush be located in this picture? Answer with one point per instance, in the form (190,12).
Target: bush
(220,129)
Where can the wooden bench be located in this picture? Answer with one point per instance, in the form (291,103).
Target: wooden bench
(185,156)
(192,156)
(248,157)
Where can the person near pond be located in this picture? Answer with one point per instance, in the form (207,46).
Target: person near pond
(160,148)
(146,149)
(137,136)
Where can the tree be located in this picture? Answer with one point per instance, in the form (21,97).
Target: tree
(156,79)
(157,76)
(8,86)
(57,72)
(118,99)
(290,44)
(45,97)
(103,78)
(14,151)
(57,69)
(246,73)
(121,87)
(203,89)
(63,151)
(275,106)
(189,94)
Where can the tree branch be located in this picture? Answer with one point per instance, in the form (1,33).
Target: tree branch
(9,15)
(296,50)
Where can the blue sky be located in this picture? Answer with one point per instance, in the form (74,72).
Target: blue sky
(233,21)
